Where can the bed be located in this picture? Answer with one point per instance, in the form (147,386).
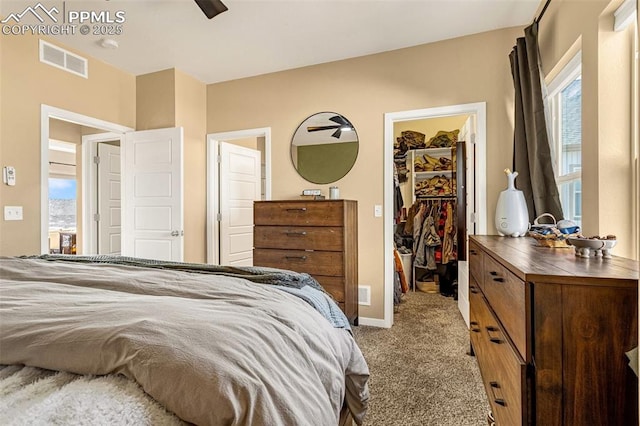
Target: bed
(211,345)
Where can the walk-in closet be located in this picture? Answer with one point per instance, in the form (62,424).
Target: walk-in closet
(430,199)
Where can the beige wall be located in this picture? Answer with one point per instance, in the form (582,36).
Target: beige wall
(607,180)
(191,107)
(108,94)
(458,71)
(156,100)
(171,98)
(65,131)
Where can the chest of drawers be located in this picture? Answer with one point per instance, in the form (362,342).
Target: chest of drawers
(317,237)
(550,331)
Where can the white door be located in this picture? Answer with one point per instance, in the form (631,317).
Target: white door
(240,185)
(153,198)
(109,199)
(467,134)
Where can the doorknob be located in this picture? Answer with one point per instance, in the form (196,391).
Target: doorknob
(175,233)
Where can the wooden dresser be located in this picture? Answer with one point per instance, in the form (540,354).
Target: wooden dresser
(550,331)
(317,237)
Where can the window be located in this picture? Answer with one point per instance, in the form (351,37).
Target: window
(62,204)
(565,104)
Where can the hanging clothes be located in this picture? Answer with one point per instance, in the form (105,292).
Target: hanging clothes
(398,202)
(448,253)
(434,232)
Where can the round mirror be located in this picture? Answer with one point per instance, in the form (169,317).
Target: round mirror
(324,147)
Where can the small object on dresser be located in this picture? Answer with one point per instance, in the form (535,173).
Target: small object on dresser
(311,192)
(512,217)
(334,193)
(554,234)
(594,246)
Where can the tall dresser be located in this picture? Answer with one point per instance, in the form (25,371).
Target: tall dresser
(550,331)
(319,237)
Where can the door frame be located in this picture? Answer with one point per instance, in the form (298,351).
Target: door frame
(47,112)
(90,187)
(213,191)
(479,110)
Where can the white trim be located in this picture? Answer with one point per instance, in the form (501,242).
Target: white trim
(213,192)
(624,15)
(569,72)
(373,322)
(47,112)
(90,187)
(479,109)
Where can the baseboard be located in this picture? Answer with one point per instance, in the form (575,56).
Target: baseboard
(373,322)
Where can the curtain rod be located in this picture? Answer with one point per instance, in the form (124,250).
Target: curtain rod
(544,9)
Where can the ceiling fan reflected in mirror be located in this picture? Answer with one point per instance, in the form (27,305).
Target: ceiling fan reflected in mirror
(342,125)
(211,8)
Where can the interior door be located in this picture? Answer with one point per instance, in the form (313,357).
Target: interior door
(109,223)
(153,197)
(240,185)
(468,135)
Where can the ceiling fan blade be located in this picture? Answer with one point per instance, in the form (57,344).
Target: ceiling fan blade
(337,133)
(340,120)
(319,128)
(211,8)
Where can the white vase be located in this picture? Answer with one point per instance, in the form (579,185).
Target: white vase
(512,216)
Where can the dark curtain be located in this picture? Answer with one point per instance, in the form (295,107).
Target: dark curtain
(531,151)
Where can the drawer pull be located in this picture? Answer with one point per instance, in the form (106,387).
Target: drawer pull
(494,273)
(297,209)
(296,258)
(499,280)
(474,327)
(473,252)
(499,401)
(473,290)
(493,339)
(289,233)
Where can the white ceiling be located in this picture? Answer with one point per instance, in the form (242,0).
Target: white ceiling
(261,36)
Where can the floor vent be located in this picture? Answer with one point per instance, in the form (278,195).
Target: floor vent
(63,59)
(364,295)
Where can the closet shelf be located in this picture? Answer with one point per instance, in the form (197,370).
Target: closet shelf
(436,197)
(423,175)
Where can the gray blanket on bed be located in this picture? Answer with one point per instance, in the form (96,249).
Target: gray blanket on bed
(215,350)
(299,284)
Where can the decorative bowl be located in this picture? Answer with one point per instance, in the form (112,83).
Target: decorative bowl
(585,247)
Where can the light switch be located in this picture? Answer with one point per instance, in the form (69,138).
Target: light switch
(12,212)
(377,210)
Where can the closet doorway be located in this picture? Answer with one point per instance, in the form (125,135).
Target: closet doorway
(470,122)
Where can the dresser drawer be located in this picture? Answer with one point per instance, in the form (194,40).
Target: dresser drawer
(476,262)
(333,285)
(294,213)
(330,238)
(503,371)
(474,316)
(507,296)
(329,263)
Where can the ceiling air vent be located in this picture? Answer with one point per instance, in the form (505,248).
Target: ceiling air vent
(63,59)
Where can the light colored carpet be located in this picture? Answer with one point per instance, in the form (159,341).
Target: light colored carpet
(420,371)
